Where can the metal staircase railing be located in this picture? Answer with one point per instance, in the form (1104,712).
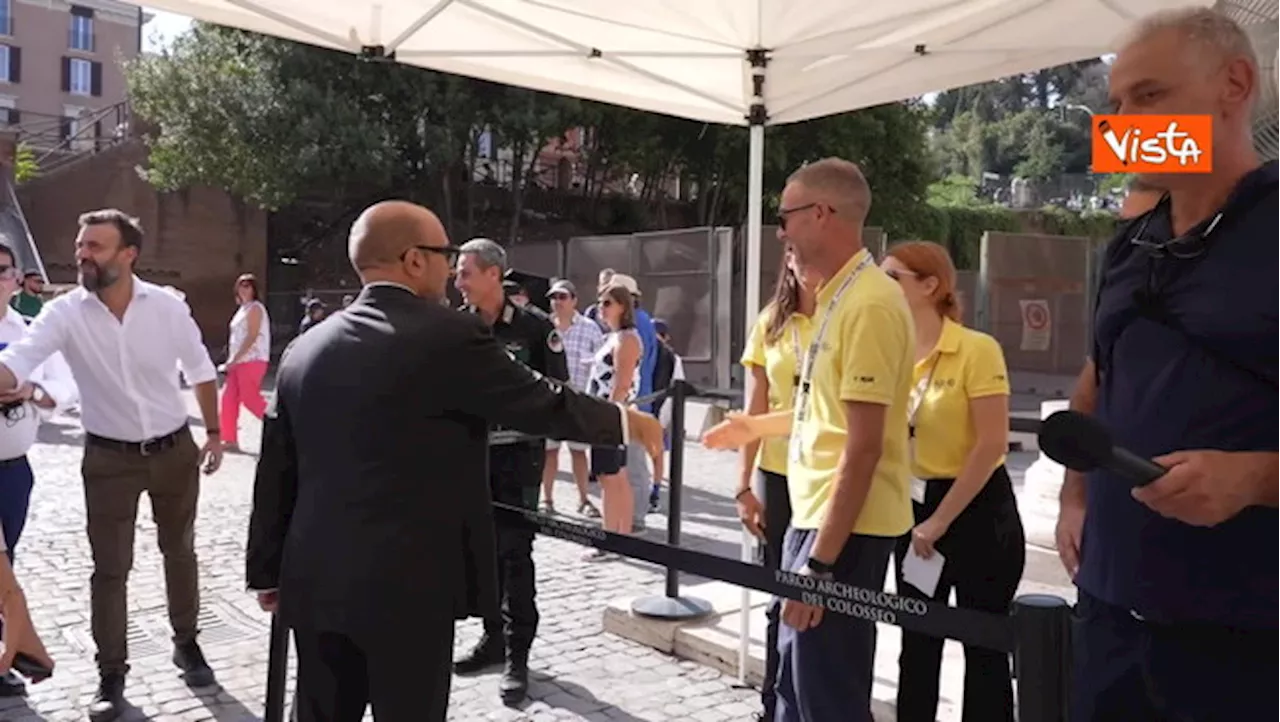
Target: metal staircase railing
(58,141)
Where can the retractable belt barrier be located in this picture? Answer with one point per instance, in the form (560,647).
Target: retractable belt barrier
(932,618)
(1037,633)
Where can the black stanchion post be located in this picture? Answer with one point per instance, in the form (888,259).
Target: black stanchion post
(675,493)
(671,605)
(1041,656)
(277,670)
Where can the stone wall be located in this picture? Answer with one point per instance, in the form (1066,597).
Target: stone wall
(197,240)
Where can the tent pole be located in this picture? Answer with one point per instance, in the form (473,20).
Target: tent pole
(756,119)
(755,212)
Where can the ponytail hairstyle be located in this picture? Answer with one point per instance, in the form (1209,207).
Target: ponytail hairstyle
(927,259)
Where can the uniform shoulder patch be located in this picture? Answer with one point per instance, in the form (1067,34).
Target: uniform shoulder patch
(554,342)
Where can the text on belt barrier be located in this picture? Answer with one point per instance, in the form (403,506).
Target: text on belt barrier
(983,629)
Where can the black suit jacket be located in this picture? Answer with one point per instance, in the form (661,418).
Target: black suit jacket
(373,462)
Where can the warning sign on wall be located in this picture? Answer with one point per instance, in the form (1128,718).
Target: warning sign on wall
(1035,324)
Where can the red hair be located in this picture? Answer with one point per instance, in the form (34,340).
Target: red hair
(931,260)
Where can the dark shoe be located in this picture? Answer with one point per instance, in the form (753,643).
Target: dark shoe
(195,670)
(11,685)
(108,703)
(488,652)
(515,679)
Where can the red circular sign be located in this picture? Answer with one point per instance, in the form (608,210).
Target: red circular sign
(1036,315)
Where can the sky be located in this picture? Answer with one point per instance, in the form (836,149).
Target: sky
(162,29)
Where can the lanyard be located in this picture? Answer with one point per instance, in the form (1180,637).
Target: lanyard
(795,349)
(810,358)
(918,393)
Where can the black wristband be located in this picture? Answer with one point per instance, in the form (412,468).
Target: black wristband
(820,566)
(738,496)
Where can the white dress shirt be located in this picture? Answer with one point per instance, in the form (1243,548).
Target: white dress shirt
(18,429)
(124,369)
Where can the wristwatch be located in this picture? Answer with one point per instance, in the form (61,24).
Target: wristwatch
(819,567)
(38,394)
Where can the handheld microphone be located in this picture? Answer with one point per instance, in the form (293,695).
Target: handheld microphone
(1080,443)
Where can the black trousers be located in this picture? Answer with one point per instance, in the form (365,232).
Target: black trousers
(777,516)
(985,552)
(405,675)
(1140,670)
(516,476)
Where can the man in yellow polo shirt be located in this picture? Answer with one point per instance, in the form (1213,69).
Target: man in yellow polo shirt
(847,467)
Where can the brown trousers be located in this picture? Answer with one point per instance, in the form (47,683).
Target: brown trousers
(113,482)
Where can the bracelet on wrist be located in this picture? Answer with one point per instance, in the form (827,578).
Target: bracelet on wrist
(213,432)
(741,492)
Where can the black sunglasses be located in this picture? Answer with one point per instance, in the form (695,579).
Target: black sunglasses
(785,213)
(450,253)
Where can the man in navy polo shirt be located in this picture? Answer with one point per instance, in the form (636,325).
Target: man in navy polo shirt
(1178,581)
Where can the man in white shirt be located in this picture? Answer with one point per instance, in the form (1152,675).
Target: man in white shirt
(49,387)
(122,337)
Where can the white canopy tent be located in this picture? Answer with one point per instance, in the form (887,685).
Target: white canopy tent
(740,62)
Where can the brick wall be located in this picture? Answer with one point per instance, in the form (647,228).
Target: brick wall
(197,240)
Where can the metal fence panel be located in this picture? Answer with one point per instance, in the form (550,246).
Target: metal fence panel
(540,259)
(1034,298)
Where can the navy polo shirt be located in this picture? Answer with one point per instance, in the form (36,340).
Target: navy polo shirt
(1208,382)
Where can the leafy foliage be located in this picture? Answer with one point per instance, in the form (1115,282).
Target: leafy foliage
(273,121)
(25,166)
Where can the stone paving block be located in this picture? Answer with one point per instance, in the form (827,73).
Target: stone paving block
(580,673)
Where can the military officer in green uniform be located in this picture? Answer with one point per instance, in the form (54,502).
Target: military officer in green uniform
(515,469)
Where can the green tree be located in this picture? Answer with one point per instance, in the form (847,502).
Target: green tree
(25,166)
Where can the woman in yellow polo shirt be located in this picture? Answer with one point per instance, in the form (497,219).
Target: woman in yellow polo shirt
(772,358)
(962,497)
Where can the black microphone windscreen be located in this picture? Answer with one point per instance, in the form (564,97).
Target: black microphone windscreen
(1074,440)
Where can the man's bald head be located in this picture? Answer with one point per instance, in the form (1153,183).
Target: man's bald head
(384,231)
(838,183)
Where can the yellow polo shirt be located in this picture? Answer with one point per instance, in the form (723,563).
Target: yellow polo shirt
(867,356)
(965,365)
(781,364)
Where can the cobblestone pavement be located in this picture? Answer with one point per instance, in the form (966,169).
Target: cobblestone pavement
(578,671)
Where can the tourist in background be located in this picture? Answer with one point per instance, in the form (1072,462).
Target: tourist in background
(581,338)
(29,299)
(962,497)
(615,375)
(772,356)
(250,349)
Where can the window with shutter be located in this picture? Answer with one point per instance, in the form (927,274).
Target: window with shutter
(66,74)
(15,65)
(15,116)
(80,34)
(80,76)
(95,79)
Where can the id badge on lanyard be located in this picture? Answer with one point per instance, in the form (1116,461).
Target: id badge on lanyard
(918,486)
(795,449)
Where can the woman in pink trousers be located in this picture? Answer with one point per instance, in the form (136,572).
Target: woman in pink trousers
(250,349)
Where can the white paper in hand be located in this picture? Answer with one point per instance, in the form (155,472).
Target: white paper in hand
(921,573)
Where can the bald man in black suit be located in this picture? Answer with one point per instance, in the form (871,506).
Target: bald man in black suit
(372,475)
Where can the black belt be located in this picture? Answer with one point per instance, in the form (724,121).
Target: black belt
(150,447)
